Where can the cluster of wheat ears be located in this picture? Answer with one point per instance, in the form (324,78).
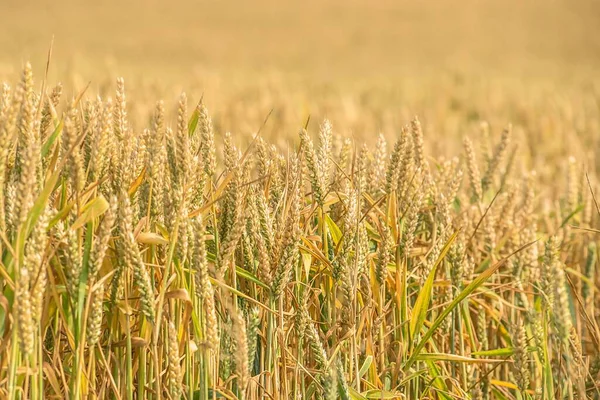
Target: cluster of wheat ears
(137,264)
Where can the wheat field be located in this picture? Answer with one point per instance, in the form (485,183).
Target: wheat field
(271,201)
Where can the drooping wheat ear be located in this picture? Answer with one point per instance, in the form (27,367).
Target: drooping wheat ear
(183,147)
(27,154)
(155,161)
(74,168)
(577,365)
(120,125)
(102,149)
(248,247)
(520,357)
(226,349)
(141,278)
(360,169)
(316,346)
(34,262)
(100,246)
(26,117)
(9,112)
(496,160)
(469,267)
(92,113)
(407,172)
(561,315)
(378,166)
(263,158)
(341,266)
(5,147)
(534,319)
(329,383)
(384,250)
(27,177)
(396,160)
(362,248)
(121,267)
(457,260)
(94,323)
(260,231)
(454,183)
(474,175)
(417,132)
(348,273)
(253,325)
(288,254)
(314,171)
(342,385)
(276,182)
(234,215)
(328,376)
(198,179)
(412,222)
(232,196)
(23,314)
(204,288)
(173,367)
(301,319)
(5,106)
(548,281)
(265,218)
(198,185)
(171,147)
(207,144)
(490,233)
(143,193)
(324,152)
(240,355)
(51,102)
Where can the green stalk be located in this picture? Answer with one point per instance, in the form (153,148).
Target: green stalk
(141,388)
(12,366)
(129,376)
(79,323)
(40,363)
(269,364)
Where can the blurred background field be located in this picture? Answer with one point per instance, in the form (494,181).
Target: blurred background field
(374,42)
(367,66)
